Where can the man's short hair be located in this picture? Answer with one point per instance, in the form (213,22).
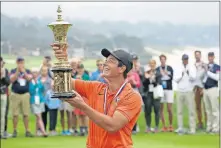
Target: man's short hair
(99,60)
(162,56)
(197,51)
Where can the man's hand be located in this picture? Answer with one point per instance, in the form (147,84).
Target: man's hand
(60,51)
(77,101)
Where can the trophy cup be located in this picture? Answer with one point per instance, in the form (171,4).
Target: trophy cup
(61,69)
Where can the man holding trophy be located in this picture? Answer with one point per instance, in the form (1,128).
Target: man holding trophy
(113,108)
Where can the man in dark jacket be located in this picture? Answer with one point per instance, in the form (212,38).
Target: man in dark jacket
(4,83)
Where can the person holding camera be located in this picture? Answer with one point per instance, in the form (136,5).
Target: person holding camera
(4,83)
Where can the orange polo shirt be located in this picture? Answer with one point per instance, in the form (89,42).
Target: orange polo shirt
(129,105)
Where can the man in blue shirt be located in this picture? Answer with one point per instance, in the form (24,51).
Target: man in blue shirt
(211,94)
(95,76)
(20,96)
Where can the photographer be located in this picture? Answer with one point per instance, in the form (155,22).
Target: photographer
(4,83)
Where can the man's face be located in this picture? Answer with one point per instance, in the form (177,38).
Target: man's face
(100,65)
(197,56)
(211,59)
(185,61)
(111,68)
(74,64)
(35,74)
(44,71)
(80,71)
(21,64)
(163,60)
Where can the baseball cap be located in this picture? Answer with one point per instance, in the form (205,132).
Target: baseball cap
(120,55)
(185,57)
(47,57)
(135,57)
(20,59)
(211,54)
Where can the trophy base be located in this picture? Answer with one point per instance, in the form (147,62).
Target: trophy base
(65,95)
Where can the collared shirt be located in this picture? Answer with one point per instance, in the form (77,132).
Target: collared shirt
(212,76)
(52,103)
(166,80)
(21,85)
(200,72)
(128,103)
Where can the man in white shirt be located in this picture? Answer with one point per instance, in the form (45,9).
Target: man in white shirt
(198,89)
(185,95)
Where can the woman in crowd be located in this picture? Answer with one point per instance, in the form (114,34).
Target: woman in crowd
(82,118)
(46,81)
(151,79)
(53,105)
(36,90)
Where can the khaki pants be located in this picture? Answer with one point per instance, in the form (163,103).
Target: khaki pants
(212,108)
(3,111)
(20,102)
(188,99)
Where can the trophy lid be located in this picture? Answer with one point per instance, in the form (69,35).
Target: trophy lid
(59,20)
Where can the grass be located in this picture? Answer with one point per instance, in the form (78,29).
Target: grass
(141,140)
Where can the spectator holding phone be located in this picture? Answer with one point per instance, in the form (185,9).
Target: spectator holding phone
(20,78)
(4,83)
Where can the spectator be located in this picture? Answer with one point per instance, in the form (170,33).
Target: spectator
(96,76)
(5,81)
(6,134)
(151,79)
(166,74)
(46,81)
(198,89)
(74,64)
(66,107)
(36,89)
(211,94)
(134,79)
(82,118)
(20,78)
(48,63)
(53,105)
(185,78)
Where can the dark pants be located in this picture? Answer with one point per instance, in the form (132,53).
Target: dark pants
(44,117)
(6,114)
(150,102)
(135,127)
(53,113)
